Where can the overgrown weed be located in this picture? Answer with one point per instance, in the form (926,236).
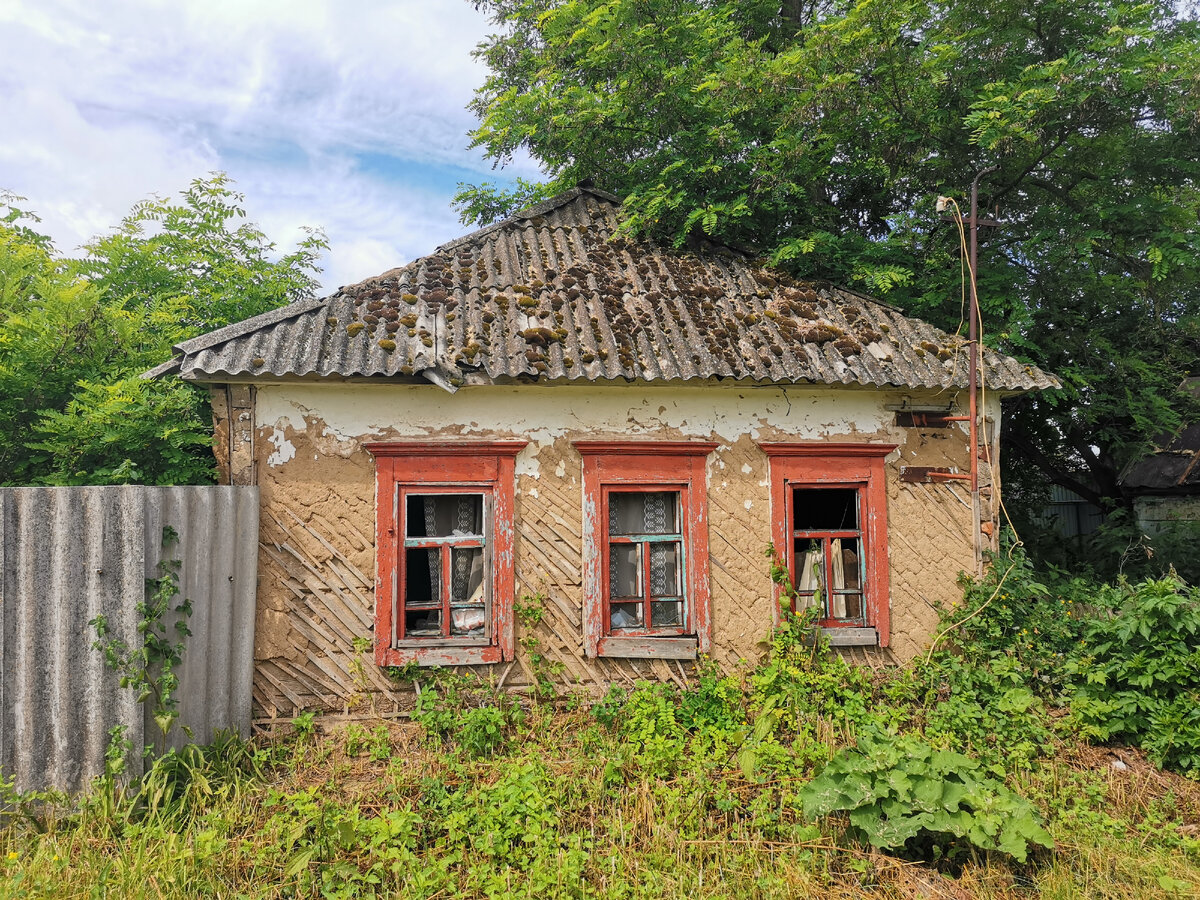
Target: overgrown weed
(657,791)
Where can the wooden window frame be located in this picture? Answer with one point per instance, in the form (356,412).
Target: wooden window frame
(425,467)
(676,466)
(823,464)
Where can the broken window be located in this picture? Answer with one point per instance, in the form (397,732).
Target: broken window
(444,532)
(829,520)
(645,577)
(445,552)
(827,553)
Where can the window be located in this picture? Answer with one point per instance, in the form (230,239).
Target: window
(828,568)
(645,548)
(829,513)
(645,591)
(444,551)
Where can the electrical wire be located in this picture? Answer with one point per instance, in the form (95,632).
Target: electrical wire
(967,271)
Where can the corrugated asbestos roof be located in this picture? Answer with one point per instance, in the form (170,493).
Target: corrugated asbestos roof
(555,294)
(1173,468)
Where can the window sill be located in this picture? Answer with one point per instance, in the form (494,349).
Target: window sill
(441,656)
(851,636)
(647,647)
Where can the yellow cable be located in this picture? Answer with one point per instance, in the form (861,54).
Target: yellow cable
(965,267)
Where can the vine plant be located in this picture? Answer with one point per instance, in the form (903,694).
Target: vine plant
(149,665)
(530,610)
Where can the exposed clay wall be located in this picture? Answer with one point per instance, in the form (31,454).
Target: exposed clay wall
(317,488)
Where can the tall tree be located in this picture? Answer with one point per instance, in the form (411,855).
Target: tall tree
(76,334)
(822,133)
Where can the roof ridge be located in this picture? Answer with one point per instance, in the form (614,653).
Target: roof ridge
(537,209)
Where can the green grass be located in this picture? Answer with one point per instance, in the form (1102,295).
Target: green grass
(699,793)
(565,808)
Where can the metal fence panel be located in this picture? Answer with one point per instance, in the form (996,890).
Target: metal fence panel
(70,554)
(217,528)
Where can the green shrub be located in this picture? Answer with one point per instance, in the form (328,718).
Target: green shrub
(1138,676)
(1030,617)
(650,722)
(463,710)
(987,708)
(903,795)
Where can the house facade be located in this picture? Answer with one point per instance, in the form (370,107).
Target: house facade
(548,451)
(1165,484)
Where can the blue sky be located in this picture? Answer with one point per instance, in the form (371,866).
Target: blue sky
(346,115)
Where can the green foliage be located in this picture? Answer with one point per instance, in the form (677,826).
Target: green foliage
(650,723)
(76,334)
(148,666)
(901,794)
(529,611)
(305,724)
(88,441)
(182,784)
(822,134)
(1002,660)
(661,799)
(474,841)
(1139,672)
(805,699)
(988,709)
(196,254)
(1118,547)
(462,710)
(1032,618)
(488,202)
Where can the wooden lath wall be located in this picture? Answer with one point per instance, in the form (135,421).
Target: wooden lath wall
(316,593)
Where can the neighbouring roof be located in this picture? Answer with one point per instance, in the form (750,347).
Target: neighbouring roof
(1175,466)
(555,293)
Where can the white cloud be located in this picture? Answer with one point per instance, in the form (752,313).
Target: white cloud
(345,115)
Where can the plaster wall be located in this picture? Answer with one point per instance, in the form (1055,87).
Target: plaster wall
(1155,512)
(317,489)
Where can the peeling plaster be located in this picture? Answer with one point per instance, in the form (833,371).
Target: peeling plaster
(541,414)
(284,449)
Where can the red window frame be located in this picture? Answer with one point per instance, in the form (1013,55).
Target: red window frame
(819,464)
(452,467)
(674,466)
(646,598)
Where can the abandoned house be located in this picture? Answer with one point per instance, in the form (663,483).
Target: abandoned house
(1165,484)
(547,430)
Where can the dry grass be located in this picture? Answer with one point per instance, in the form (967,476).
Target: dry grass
(1120,832)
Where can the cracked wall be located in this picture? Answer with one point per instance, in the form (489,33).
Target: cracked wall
(317,545)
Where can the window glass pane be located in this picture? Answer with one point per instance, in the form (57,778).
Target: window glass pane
(643,512)
(466,575)
(623,569)
(626,615)
(443,515)
(422,623)
(663,613)
(664,570)
(422,577)
(822,509)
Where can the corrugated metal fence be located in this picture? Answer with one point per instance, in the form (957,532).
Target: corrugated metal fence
(68,555)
